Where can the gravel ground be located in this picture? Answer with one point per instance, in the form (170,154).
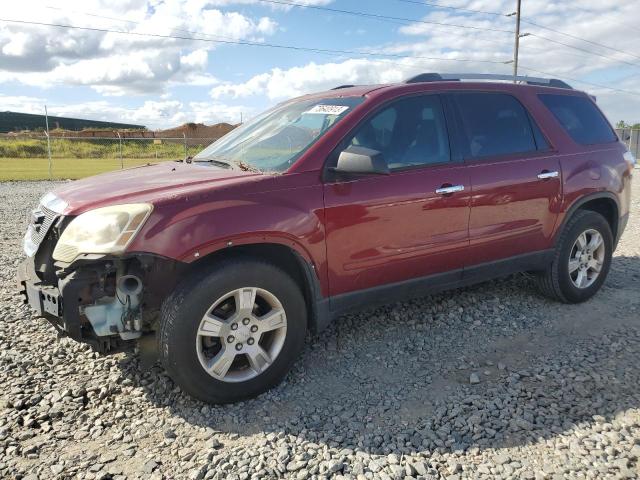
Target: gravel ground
(491,381)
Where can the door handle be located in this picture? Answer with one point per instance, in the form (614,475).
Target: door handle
(545,174)
(451,189)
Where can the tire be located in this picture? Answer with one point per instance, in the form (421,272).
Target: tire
(556,281)
(183,349)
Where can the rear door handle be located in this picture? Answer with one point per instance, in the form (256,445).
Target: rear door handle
(451,189)
(545,174)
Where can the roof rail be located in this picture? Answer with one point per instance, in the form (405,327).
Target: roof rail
(455,77)
(342,86)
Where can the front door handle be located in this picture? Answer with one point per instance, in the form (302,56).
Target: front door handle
(545,174)
(449,189)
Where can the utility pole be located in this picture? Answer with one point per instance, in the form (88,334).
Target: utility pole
(516,46)
(46,120)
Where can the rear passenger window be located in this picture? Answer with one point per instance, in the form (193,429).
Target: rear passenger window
(579,116)
(494,124)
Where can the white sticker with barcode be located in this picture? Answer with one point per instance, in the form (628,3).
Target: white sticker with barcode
(328,109)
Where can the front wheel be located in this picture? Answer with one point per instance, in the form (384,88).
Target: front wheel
(582,259)
(234,332)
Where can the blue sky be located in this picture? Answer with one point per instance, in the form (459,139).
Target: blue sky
(163,82)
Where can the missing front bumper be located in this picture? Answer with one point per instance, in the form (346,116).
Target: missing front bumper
(65,305)
(96,301)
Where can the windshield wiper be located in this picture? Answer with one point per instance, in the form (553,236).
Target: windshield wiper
(214,161)
(236,165)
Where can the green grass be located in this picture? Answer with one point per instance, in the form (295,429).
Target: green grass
(63,168)
(91,148)
(26,158)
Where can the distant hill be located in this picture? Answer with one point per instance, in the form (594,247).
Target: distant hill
(16,122)
(197,130)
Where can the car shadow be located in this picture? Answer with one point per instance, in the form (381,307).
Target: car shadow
(397,379)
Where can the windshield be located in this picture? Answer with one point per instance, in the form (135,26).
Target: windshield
(274,140)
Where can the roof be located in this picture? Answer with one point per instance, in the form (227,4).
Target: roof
(436,81)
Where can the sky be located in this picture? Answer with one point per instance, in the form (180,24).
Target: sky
(225,67)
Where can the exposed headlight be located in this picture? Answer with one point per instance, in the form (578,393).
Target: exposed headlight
(103,230)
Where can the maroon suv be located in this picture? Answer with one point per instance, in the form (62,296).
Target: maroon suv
(327,203)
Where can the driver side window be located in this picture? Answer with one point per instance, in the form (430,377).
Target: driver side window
(409,132)
(376,133)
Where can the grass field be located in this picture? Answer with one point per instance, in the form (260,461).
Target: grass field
(63,168)
(26,158)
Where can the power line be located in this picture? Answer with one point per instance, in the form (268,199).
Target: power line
(546,50)
(248,43)
(583,50)
(529,22)
(449,7)
(319,50)
(599,85)
(382,17)
(104,17)
(195,32)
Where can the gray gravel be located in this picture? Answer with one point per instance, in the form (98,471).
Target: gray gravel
(491,381)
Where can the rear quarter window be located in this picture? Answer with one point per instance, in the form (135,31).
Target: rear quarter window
(580,118)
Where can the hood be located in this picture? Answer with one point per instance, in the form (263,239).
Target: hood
(148,183)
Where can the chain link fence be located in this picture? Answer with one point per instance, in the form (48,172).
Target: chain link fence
(53,157)
(630,136)
(43,157)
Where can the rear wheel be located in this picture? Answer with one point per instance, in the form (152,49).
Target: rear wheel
(232,333)
(582,259)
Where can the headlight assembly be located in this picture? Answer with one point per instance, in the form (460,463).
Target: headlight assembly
(103,230)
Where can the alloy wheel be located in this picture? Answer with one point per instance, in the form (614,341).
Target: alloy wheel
(587,258)
(241,334)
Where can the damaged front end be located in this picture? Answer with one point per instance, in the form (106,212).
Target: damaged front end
(107,301)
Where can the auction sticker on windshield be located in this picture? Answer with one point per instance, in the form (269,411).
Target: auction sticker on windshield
(328,109)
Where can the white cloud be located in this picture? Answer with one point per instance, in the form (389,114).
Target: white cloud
(153,114)
(471,50)
(274,6)
(279,84)
(113,63)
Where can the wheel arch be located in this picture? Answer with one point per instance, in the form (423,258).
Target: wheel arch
(604,203)
(292,262)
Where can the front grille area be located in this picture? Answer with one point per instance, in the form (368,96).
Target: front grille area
(39,230)
(42,218)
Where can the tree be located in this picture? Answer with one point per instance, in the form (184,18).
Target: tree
(623,124)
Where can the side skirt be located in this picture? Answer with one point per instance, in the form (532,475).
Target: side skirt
(417,287)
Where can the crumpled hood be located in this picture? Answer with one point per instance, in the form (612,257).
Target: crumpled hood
(148,183)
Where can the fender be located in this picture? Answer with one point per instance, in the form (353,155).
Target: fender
(580,202)
(254,238)
(319,316)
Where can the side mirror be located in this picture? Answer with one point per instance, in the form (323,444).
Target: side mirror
(361,160)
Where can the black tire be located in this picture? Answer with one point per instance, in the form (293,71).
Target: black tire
(182,313)
(555,282)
